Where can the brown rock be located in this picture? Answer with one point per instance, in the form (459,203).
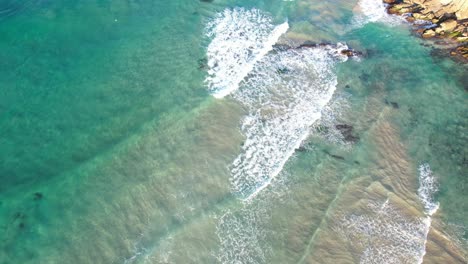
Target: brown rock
(450,19)
(410,19)
(420,16)
(448,25)
(429,33)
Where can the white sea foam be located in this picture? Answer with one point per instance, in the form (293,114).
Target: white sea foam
(284,94)
(325,128)
(373,11)
(386,235)
(427,188)
(240,38)
(242,236)
(245,234)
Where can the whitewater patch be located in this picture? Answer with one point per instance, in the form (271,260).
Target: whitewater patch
(427,188)
(284,94)
(387,235)
(283,90)
(370,11)
(239,39)
(245,234)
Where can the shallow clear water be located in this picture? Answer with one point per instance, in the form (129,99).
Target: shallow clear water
(114,148)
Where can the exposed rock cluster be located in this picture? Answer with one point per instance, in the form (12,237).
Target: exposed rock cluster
(444,19)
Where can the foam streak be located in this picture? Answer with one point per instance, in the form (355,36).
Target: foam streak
(427,189)
(240,38)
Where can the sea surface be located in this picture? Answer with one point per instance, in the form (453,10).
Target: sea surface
(189,131)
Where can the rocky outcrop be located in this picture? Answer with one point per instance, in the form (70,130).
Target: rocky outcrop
(437,19)
(310,44)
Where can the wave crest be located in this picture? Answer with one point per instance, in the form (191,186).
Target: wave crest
(240,38)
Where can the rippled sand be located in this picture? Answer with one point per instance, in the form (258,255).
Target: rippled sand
(377,217)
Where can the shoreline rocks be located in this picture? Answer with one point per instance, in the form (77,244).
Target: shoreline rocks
(447,19)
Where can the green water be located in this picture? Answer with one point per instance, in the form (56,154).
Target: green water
(112,150)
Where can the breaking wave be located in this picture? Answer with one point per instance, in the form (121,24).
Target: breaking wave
(284,91)
(284,94)
(240,38)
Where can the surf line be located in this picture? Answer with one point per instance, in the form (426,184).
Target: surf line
(268,46)
(284,91)
(277,171)
(240,39)
(285,94)
(427,188)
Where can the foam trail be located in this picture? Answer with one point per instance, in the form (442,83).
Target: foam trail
(427,189)
(240,38)
(285,94)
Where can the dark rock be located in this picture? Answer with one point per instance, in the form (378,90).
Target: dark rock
(388,187)
(365,77)
(416,8)
(337,157)
(447,16)
(301,149)
(281,47)
(392,1)
(21,225)
(19,215)
(38,196)
(203,64)
(322,129)
(351,53)
(344,127)
(347,132)
(393,104)
(308,44)
(282,70)
(333,156)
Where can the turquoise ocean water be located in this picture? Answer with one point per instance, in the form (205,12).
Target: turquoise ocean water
(187,132)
